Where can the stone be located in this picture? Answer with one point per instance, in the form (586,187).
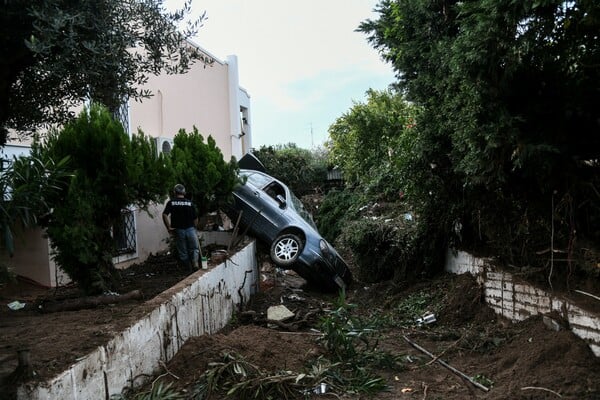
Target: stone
(279,313)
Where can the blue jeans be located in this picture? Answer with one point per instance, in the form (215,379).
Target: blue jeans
(188,248)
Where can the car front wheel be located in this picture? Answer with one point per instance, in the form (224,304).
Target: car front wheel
(286,249)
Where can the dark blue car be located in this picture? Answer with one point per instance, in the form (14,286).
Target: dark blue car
(274,215)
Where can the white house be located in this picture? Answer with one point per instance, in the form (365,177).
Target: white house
(208,97)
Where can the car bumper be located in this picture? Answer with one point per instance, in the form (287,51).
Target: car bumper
(331,268)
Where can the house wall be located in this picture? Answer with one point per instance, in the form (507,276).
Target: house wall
(32,260)
(207,97)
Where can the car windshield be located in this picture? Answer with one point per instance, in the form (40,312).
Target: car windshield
(299,207)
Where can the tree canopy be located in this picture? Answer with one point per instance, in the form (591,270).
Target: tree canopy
(370,139)
(303,171)
(58,53)
(507,144)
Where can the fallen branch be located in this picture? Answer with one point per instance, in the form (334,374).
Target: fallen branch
(445,350)
(89,302)
(236,229)
(588,294)
(540,388)
(451,368)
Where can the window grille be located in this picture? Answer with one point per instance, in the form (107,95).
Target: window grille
(124,233)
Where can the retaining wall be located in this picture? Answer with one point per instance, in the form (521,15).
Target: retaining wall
(518,300)
(201,304)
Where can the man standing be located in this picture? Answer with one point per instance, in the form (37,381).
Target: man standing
(181,219)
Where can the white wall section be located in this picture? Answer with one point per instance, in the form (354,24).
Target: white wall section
(517,300)
(201,304)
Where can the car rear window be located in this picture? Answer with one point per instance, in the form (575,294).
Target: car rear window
(258,180)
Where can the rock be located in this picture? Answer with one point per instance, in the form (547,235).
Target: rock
(552,324)
(279,313)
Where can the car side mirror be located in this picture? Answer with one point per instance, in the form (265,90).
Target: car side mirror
(281,200)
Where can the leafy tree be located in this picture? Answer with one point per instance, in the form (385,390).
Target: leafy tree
(110,172)
(200,167)
(304,171)
(507,142)
(57,53)
(370,138)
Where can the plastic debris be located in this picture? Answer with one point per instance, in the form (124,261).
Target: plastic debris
(16,305)
(321,389)
(426,319)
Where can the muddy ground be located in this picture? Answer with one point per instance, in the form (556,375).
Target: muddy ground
(524,360)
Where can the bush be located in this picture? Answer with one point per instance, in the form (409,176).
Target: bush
(104,181)
(337,208)
(303,171)
(200,167)
(381,250)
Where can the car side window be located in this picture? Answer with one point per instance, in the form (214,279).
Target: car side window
(274,189)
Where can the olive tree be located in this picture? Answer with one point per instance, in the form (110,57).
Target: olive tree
(58,53)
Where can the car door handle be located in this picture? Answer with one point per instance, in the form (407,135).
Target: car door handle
(257,193)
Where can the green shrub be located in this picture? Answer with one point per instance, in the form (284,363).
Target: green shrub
(337,208)
(200,167)
(107,176)
(303,171)
(381,249)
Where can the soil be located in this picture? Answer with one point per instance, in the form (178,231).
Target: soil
(523,360)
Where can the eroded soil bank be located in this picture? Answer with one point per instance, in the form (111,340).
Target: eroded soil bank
(524,360)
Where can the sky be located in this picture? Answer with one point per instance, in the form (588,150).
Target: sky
(301,61)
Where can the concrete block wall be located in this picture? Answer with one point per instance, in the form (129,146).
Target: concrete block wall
(518,300)
(201,304)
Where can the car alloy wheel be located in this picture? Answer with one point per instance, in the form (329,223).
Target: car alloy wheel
(286,249)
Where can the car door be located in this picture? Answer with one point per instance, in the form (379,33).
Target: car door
(272,218)
(260,212)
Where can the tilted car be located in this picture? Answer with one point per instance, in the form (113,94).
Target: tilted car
(274,215)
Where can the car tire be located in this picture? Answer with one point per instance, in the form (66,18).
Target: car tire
(286,249)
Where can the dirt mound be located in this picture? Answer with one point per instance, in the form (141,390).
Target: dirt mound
(268,349)
(522,360)
(537,357)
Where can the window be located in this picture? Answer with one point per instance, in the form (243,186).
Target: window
(124,233)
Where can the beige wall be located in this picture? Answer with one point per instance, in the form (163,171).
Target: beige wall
(207,97)
(32,260)
(198,98)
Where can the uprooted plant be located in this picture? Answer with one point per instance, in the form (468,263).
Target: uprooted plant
(348,367)
(353,356)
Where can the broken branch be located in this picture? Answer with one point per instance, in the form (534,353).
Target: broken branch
(540,388)
(588,294)
(451,368)
(89,302)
